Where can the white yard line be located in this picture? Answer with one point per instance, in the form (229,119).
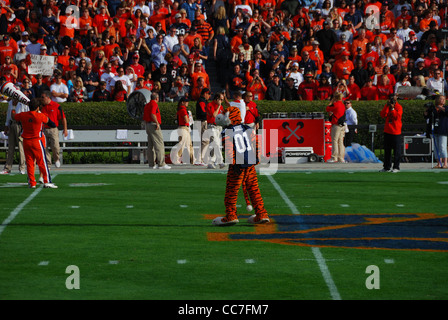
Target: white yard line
(19,208)
(316,251)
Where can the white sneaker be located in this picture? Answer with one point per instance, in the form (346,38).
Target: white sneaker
(156,166)
(22,172)
(200,164)
(5,172)
(253,219)
(166,167)
(331,161)
(211,166)
(395,170)
(222,221)
(41,180)
(50,186)
(57,164)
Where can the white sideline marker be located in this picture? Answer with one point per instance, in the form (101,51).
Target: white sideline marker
(389,261)
(75,207)
(43,263)
(113,262)
(129,206)
(316,251)
(250,261)
(182,261)
(345,205)
(19,208)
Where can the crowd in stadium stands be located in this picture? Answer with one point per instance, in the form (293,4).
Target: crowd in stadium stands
(275,49)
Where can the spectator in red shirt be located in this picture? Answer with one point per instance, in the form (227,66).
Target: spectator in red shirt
(308,88)
(353,89)
(384,88)
(101,21)
(156,146)
(369,91)
(324,90)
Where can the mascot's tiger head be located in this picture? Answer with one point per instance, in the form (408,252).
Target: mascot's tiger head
(232,116)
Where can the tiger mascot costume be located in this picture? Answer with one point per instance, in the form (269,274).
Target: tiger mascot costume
(240,145)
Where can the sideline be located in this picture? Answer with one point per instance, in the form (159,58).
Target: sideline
(19,208)
(316,251)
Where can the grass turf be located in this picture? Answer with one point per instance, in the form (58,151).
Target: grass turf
(148,236)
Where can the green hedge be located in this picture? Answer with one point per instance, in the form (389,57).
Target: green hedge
(115,113)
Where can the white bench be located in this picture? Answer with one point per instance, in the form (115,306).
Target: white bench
(138,137)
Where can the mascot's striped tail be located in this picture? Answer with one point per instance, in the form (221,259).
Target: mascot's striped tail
(249,207)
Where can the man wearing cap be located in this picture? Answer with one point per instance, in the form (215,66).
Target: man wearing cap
(25,39)
(205,30)
(101,21)
(193,34)
(327,38)
(419,70)
(6,50)
(413,46)
(308,89)
(21,54)
(183,130)
(431,58)
(136,66)
(343,67)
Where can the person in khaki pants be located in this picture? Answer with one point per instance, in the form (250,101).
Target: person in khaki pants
(183,120)
(13,130)
(156,146)
(336,110)
(53,111)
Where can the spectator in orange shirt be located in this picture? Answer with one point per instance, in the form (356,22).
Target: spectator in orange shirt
(339,47)
(109,49)
(427,19)
(359,42)
(67,24)
(62,59)
(197,72)
(343,67)
(189,40)
(85,22)
(317,56)
(256,86)
(159,16)
(6,50)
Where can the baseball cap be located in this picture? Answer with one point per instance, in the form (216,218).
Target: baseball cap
(178,15)
(183,99)
(412,33)
(25,33)
(43,47)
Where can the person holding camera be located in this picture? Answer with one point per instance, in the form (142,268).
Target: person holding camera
(336,111)
(393,113)
(436,116)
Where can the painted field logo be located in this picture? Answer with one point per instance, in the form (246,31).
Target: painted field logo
(404,231)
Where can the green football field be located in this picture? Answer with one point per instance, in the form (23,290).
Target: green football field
(147,235)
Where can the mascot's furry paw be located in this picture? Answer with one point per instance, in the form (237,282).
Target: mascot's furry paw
(223,120)
(249,208)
